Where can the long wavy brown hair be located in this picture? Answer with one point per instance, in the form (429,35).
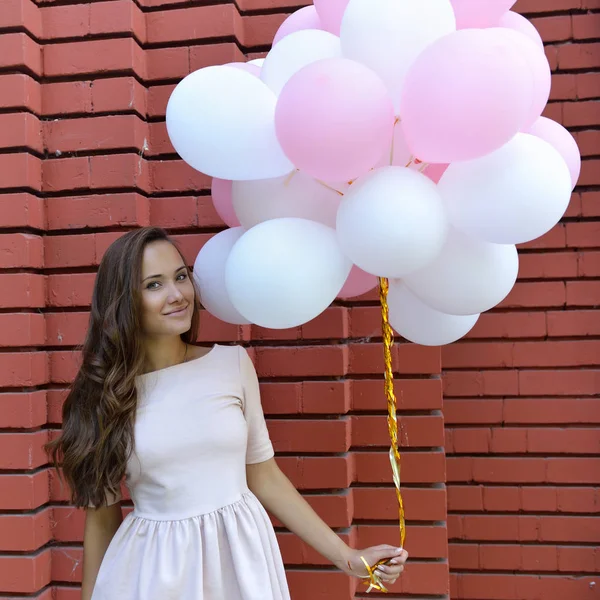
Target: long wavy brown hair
(99,412)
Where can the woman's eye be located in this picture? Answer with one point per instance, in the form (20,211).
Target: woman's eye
(153,285)
(182,277)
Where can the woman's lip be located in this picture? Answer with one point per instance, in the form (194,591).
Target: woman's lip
(177,312)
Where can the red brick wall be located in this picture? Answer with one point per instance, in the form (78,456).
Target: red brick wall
(84,155)
(521,394)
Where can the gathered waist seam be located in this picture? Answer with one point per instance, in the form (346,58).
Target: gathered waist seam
(154,517)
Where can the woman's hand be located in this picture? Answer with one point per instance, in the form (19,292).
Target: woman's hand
(394,558)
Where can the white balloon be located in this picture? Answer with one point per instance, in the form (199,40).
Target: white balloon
(209,274)
(468,276)
(295,51)
(388,35)
(295,195)
(285,272)
(257,61)
(511,196)
(392,222)
(419,323)
(221,121)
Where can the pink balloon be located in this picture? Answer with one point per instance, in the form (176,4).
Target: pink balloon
(479,13)
(540,73)
(334,119)
(223,201)
(359,282)
(517,22)
(435,172)
(556,135)
(466,95)
(331,13)
(250,68)
(305,18)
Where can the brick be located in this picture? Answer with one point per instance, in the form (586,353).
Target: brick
(70,251)
(23,369)
(417,467)
(119,171)
(22,329)
(588,85)
(25,15)
(94,56)
(542,294)
(63,174)
(19,51)
(582,113)
(170,176)
(459,411)
(20,170)
(573,323)
(66,97)
(63,366)
(20,91)
(70,21)
(117,132)
(579,56)
(21,250)
(588,141)
(481,383)
(193,23)
(550,411)
(72,290)
(205,55)
(314,473)
(583,235)
(586,27)
(473,586)
(417,431)
(22,210)
(119,94)
(379,504)
(168,63)
(66,328)
(22,290)
(97,211)
(411,394)
(310,436)
(582,293)
(589,171)
(509,325)
(120,16)
(554,28)
(407,359)
(561,383)
(24,410)
(20,130)
(308,397)
(25,532)
(24,492)
(24,451)
(26,574)
(174,212)
(551,265)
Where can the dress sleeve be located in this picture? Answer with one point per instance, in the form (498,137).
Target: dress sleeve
(259,447)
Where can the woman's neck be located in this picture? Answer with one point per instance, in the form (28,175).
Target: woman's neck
(163,352)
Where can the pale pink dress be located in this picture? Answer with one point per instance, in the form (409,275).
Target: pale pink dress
(197,532)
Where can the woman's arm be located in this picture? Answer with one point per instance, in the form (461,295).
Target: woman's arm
(280,498)
(101,524)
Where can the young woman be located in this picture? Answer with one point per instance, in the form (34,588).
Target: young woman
(184,426)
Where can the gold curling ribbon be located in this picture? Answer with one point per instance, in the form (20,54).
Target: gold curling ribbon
(374,582)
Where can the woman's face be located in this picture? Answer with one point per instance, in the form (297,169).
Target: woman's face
(167,291)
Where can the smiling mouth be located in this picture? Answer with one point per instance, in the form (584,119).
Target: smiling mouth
(178,312)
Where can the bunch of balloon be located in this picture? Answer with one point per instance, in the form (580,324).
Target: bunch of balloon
(379,140)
